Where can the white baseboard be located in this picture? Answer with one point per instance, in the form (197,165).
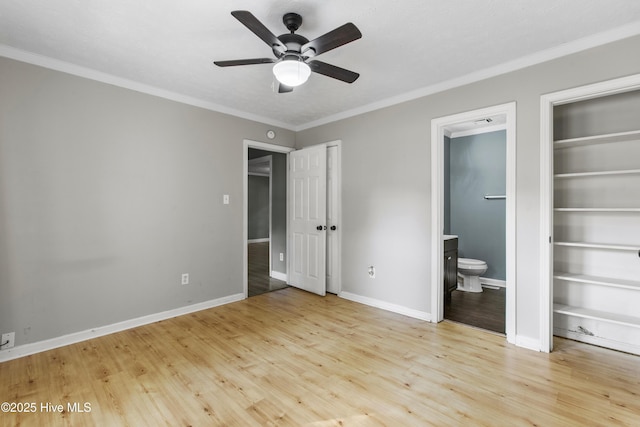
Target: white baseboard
(279,276)
(524,342)
(493,282)
(386,306)
(50,344)
(266,239)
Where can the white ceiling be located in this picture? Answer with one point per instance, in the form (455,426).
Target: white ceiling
(409,47)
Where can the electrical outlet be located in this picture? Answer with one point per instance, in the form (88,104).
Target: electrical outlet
(225,199)
(281,256)
(9,338)
(185,278)
(372,272)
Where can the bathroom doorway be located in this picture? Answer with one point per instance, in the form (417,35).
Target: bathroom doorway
(475,213)
(473,180)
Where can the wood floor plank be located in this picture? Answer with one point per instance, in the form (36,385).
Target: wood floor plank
(290,358)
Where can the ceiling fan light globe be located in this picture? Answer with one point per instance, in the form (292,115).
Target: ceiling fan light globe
(291,72)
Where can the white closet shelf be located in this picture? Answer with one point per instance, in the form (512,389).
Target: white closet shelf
(596,209)
(600,173)
(597,139)
(599,246)
(595,280)
(586,313)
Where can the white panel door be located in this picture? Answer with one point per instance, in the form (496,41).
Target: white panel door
(308,218)
(333,243)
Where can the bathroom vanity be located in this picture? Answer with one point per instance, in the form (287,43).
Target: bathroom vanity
(450,271)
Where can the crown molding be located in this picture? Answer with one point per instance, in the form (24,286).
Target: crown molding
(575,46)
(89,73)
(569,48)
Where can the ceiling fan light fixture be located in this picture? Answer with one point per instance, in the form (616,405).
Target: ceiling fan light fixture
(291,72)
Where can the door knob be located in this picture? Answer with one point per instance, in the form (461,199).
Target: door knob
(321,227)
(333,228)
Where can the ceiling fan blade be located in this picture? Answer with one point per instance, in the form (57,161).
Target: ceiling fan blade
(333,39)
(333,71)
(235,62)
(258,28)
(284,89)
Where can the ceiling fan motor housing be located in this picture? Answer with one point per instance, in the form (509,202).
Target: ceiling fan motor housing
(293,42)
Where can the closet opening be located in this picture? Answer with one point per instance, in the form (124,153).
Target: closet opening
(590,215)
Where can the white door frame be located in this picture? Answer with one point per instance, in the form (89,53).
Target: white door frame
(547,103)
(338,232)
(438,128)
(245,201)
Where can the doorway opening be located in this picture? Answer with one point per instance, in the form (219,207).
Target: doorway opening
(265,217)
(288,259)
(474,223)
(266,221)
(447,276)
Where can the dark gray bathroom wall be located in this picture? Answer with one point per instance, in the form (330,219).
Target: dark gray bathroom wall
(477,167)
(447,187)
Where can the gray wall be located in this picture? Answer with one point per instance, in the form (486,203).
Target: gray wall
(107,195)
(478,167)
(386,178)
(258,207)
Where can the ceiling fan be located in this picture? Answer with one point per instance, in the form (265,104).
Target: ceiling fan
(294,53)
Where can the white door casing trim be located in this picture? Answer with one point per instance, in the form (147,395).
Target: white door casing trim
(338,233)
(438,127)
(547,103)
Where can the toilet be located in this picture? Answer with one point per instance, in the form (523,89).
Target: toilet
(469,272)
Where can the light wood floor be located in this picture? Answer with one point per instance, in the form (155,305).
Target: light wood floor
(295,359)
